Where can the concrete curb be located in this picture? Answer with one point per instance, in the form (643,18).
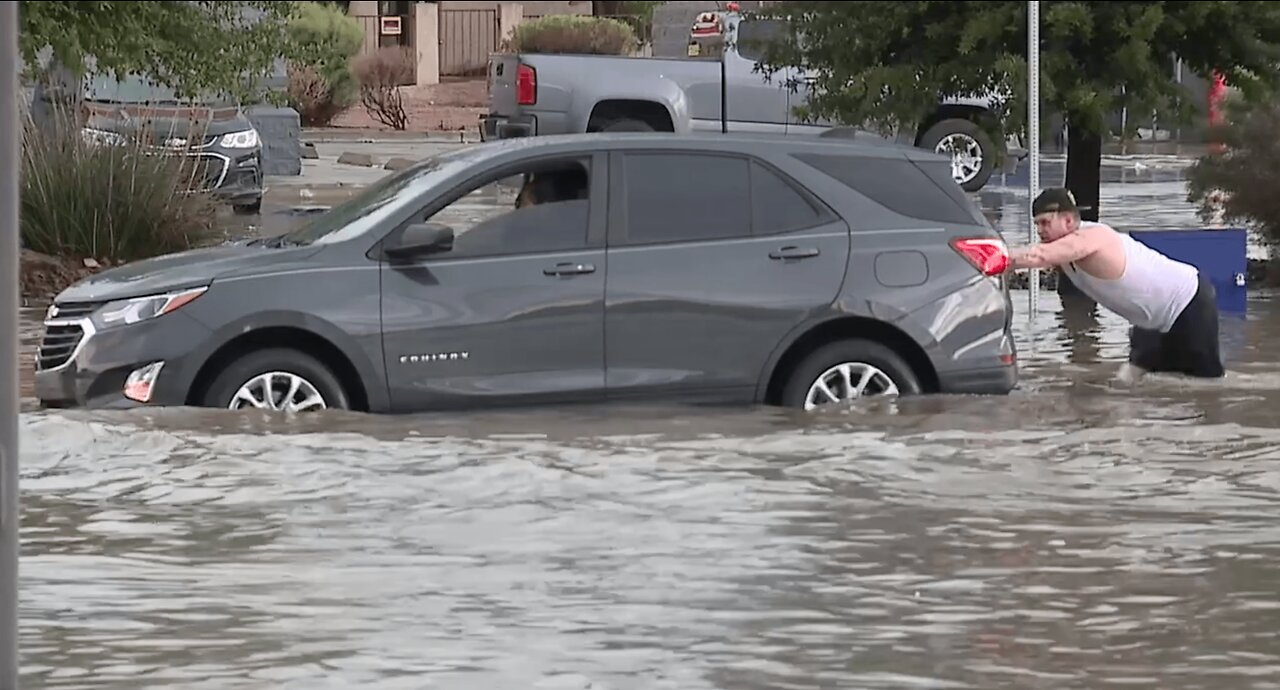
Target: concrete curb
(323,137)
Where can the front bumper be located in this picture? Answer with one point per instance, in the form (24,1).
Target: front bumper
(79,366)
(237,177)
(503,127)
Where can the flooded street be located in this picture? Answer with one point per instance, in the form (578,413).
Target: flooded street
(1080,533)
(1077,534)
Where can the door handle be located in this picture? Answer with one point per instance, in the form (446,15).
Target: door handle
(569,269)
(792,252)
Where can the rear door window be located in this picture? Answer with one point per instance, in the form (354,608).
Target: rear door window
(686,197)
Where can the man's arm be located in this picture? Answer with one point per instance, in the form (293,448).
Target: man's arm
(1073,247)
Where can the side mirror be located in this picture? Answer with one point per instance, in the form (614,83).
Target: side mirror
(420,239)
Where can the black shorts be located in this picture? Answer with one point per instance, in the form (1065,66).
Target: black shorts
(1190,347)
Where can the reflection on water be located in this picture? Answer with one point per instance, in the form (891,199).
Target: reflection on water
(1079,533)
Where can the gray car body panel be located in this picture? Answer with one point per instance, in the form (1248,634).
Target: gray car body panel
(689,320)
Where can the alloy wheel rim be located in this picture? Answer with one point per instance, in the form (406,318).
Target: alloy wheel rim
(279,391)
(965,153)
(848,381)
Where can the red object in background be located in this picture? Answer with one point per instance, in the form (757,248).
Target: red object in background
(1217,95)
(732,7)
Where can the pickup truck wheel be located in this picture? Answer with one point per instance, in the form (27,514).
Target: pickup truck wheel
(625,125)
(847,370)
(277,379)
(973,154)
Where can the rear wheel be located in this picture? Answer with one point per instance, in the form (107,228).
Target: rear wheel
(973,154)
(278,379)
(847,370)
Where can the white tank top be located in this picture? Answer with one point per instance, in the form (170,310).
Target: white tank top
(1152,292)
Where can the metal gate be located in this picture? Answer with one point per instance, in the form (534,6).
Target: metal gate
(467,38)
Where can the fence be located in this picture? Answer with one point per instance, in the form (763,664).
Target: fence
(467,38)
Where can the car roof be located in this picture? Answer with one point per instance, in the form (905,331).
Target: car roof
(860,143)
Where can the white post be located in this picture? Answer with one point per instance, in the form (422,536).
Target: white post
(1033,141)
(9,266)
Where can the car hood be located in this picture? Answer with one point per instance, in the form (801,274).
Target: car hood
(163,122)
(191,268)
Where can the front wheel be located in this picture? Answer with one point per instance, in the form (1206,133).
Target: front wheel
(278,379)
(847,370)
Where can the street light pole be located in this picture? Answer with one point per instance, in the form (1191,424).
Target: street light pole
(1033,145)
(9,267)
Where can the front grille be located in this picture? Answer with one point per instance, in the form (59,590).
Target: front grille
(209,171)
(70,311)
(59,342)
(200,171)
(61,335)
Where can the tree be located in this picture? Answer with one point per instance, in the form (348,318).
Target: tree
(191,47)
(882,64)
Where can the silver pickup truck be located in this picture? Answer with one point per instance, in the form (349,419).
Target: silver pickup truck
(537,94)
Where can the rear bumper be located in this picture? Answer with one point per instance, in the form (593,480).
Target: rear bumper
(503,127)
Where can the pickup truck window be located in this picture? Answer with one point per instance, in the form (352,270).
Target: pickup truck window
(686,197)
(754,35)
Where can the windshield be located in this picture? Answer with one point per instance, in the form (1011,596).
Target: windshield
(137,89)
(380,201)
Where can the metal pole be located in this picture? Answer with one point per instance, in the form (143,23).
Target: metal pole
(1033,140)
(9,267)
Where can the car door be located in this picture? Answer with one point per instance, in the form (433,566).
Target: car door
(514,312)
(713,259)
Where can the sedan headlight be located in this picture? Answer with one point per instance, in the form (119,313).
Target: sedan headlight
(240,140)
(130,311)
(101,137)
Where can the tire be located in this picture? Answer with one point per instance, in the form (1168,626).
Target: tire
(222,392)
(964,133)
(626,124)
(250,208)
(854,351)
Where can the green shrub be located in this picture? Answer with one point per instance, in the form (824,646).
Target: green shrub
(324,41)
(565,33)
(110,202)
(1238,183)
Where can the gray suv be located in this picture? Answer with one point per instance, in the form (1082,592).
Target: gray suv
(731,269)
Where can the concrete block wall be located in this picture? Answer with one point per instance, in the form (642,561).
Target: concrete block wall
(280,130)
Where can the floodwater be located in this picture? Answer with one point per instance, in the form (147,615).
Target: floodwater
(1079,533)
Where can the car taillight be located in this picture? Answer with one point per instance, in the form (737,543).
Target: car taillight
(987,254)
(526,85)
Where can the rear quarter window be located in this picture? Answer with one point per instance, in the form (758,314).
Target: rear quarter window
(897,184)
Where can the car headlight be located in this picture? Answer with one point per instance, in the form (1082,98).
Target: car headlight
(240,140)
(130,311)
(101,137)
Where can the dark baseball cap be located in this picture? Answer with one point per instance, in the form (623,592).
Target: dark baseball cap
(1054,199)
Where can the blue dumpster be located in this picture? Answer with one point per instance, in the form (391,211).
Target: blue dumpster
(1221,255)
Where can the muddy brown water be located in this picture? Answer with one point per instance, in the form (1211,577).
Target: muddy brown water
(1079,533)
